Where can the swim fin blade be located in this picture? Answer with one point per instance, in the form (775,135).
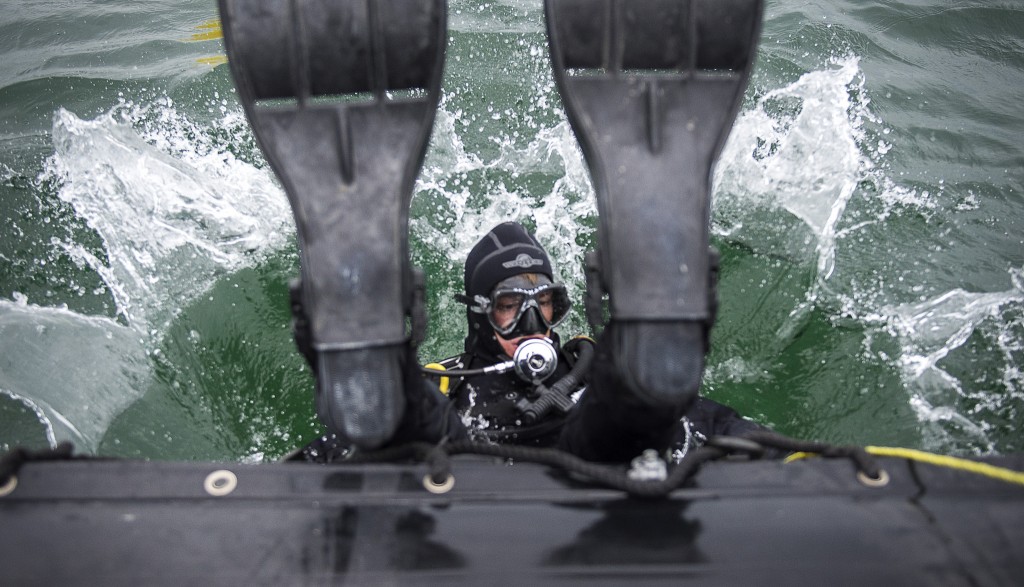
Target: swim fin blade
(651,89)
(342,96)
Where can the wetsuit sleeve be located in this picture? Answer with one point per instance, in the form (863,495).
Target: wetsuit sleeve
(429,415)
(711,418)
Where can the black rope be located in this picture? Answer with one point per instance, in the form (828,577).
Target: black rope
(12,461)
(436,456)
(616,476)
(864,462)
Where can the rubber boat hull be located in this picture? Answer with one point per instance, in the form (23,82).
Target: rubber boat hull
(809,522)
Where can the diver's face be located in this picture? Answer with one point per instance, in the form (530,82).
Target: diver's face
(509,346)
(505,310)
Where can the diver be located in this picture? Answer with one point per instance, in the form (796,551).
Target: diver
(552,395)
(511,298)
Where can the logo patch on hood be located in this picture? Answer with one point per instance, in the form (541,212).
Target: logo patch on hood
(523,261)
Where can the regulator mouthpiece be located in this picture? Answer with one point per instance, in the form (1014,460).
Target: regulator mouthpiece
(535,359)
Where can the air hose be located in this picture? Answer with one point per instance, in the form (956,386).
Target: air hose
(534,361)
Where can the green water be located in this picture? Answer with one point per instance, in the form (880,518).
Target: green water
(868,207)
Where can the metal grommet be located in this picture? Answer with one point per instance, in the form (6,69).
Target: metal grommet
(8,488)
(438,488)
(220,483)
(881,481)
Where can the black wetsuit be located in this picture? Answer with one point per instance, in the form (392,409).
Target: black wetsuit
(487,404)
(603,426)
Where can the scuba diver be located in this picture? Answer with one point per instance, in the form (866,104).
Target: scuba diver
(516,383)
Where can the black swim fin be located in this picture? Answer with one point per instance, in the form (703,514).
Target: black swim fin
(651,89)
(341,96)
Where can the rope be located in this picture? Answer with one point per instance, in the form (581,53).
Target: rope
(956,463)
(616,476)
(864,462)
(437,459)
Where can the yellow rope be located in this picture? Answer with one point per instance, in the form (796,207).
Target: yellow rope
(798,456)
(991,471)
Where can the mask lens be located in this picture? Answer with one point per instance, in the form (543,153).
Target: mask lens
(506,309)
(559,304)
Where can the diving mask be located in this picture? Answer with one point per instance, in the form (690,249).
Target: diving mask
(514,310)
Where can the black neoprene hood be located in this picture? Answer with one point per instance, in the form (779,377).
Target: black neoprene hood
(507,250)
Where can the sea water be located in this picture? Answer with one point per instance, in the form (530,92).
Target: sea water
(868,207)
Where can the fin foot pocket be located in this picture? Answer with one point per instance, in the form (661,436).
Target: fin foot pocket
(660,361)
(352,396)
(651,89)
(341,96)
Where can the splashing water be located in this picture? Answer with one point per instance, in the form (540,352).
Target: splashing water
(798,149)
(930,332)
(178,205)
(172,210)
(803,148)
(175,209)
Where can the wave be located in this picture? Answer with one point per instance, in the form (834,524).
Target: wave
(176,209)
(75,372)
